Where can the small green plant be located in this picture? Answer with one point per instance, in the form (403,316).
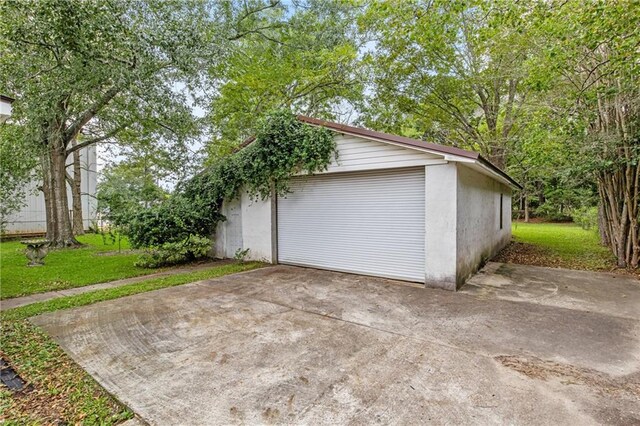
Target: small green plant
(111,236)
(192,248)
(586,217)
(241,255)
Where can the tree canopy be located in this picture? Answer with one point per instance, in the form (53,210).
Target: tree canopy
(306,61)
(92,69)
(547,90)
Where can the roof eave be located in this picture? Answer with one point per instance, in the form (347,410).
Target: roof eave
(449,153)
(394,139)
(499,172)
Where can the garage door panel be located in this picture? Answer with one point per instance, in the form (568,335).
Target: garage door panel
(370,223)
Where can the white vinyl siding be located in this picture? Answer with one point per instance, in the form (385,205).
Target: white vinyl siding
(356,153)
(370,223)
(32,218)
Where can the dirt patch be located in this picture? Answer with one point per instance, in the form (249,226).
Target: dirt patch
(529,254)
(540,369)
(526,254)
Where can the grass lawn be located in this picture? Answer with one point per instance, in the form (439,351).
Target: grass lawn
(59,391)
(563,245)
(95,263)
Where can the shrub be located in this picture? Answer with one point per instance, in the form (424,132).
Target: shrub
(551,213)
(282,148)
(586,217)
(188,250)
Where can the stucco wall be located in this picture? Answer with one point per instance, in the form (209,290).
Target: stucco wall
(258,228)
(249,225)
(479,236)
(440,226)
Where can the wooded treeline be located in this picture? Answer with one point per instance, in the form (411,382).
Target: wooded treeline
(548,90)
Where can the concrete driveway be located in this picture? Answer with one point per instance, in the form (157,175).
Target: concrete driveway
(293,345)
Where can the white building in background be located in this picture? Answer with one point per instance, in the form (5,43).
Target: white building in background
(32,217)
(5,108)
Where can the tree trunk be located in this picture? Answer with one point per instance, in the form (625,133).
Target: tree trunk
(604,236)
(59,230)
(46,191)
(526,209)
(497,156)
(76,193)
(619,207)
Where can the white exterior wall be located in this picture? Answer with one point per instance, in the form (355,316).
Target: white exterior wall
(357,154)
(228,236)
(462,223)
(5,110)
(258,228)
(440,226)
(479,236)
(461,211)
(250,222)
(32,217)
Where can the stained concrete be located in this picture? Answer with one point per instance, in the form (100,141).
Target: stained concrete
(606,293)
(294,345)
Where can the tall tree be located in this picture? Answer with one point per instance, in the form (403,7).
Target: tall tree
(99,67)
(588,65)
(306,61)
(449,71)
(75,182)
(127,187)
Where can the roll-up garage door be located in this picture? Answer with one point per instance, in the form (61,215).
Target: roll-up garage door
(370,223)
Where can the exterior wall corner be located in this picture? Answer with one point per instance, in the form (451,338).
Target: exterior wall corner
(440,226)
(483,221)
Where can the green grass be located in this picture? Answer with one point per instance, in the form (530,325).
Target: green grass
(62,392)
(94,263)
(566,244)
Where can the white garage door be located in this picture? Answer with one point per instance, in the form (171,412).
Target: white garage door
(368,223)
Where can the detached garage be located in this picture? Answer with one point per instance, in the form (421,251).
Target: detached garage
(387,206)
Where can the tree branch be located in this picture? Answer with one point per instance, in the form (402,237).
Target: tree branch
(76,126)
(248,13)
(93,141)
(259,32)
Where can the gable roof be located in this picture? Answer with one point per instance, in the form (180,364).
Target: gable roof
(447,151)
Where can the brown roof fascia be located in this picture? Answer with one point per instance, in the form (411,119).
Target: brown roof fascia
(498,170)
(400,140)
(359,131)
(246,142)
